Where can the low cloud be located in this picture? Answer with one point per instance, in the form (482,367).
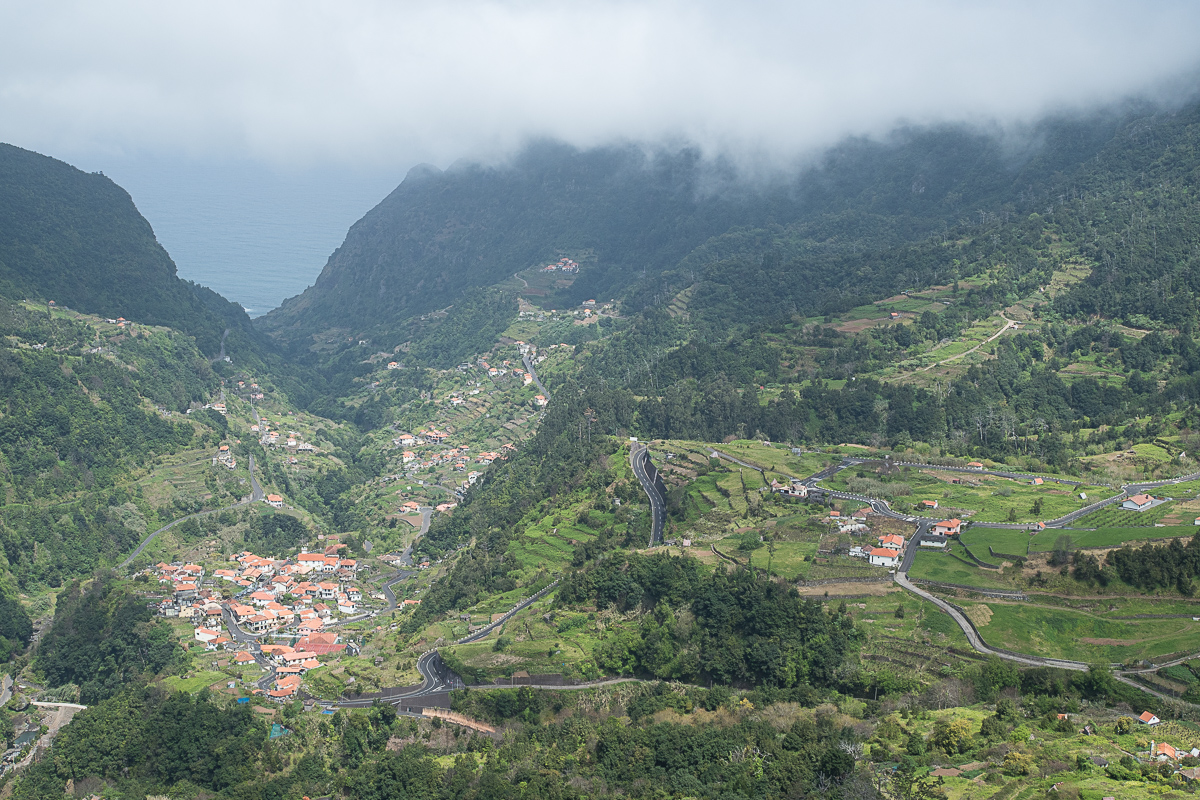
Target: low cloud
(382,84)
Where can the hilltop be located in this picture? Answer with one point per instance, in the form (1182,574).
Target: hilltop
(77,239)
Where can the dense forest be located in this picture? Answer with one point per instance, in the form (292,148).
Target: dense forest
(104,637)
(666,739)
(78,239)
(739,629)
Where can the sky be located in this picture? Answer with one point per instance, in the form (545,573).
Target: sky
(261,114)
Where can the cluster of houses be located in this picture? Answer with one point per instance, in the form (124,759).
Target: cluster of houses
(794,489)
(889,548)
(255,390)
(1163,752)
(499,372)
(291,663)
(887,553)
(272,438)
(224,458)
(431,436)
(315,586)
(563,265)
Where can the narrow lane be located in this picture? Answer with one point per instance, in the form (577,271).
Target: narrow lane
(1008,323)
(533,374)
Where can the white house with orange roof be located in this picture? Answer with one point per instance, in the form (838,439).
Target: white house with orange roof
(948,527)
(1139,502)
(274,500)
(884,557)
(206,635)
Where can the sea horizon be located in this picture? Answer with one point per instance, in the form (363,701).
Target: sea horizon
(254,235)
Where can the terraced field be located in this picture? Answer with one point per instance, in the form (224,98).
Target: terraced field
(999,539)
(944,568)
(1045,540)
(1079,635)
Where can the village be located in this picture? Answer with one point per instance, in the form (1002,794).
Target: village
(282,614)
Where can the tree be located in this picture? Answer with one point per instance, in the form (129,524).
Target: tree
(747,544)
(993,726)
(1017,763)
(1124,725)
(1062,551)
(905,785)
(997,674)
(1006,709)
(951,736)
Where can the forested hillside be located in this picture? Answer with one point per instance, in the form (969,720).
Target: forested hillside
(634,215)
(78,239)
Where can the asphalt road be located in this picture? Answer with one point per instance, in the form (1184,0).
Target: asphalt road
(256,492)
(529,367)
(436,677)
(639,454)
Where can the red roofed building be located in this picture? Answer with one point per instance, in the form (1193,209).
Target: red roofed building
(320,644)
(1138,502)
(948,527)
(884,557)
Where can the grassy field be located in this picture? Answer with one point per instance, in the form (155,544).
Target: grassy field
(1081,636)
(529,642)
(1000,540)
(197,681)
(979,332)
(982,498)
(777,458)
(1114,516)
(940,566)
(791,560)
(1044,541)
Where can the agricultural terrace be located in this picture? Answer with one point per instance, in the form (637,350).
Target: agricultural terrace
(1081,635)
(974,497)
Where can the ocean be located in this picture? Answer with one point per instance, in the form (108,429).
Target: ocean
(255,235)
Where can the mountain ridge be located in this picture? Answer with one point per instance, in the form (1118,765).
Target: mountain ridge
(77,238)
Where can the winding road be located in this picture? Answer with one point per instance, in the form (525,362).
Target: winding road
(968,628)
(639,460)
(1008,323)
(436,677)
(256,494)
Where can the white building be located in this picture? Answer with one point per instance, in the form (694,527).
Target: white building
(884,557)
(1138,502)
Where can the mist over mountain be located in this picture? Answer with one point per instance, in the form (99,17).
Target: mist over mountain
(629,214)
